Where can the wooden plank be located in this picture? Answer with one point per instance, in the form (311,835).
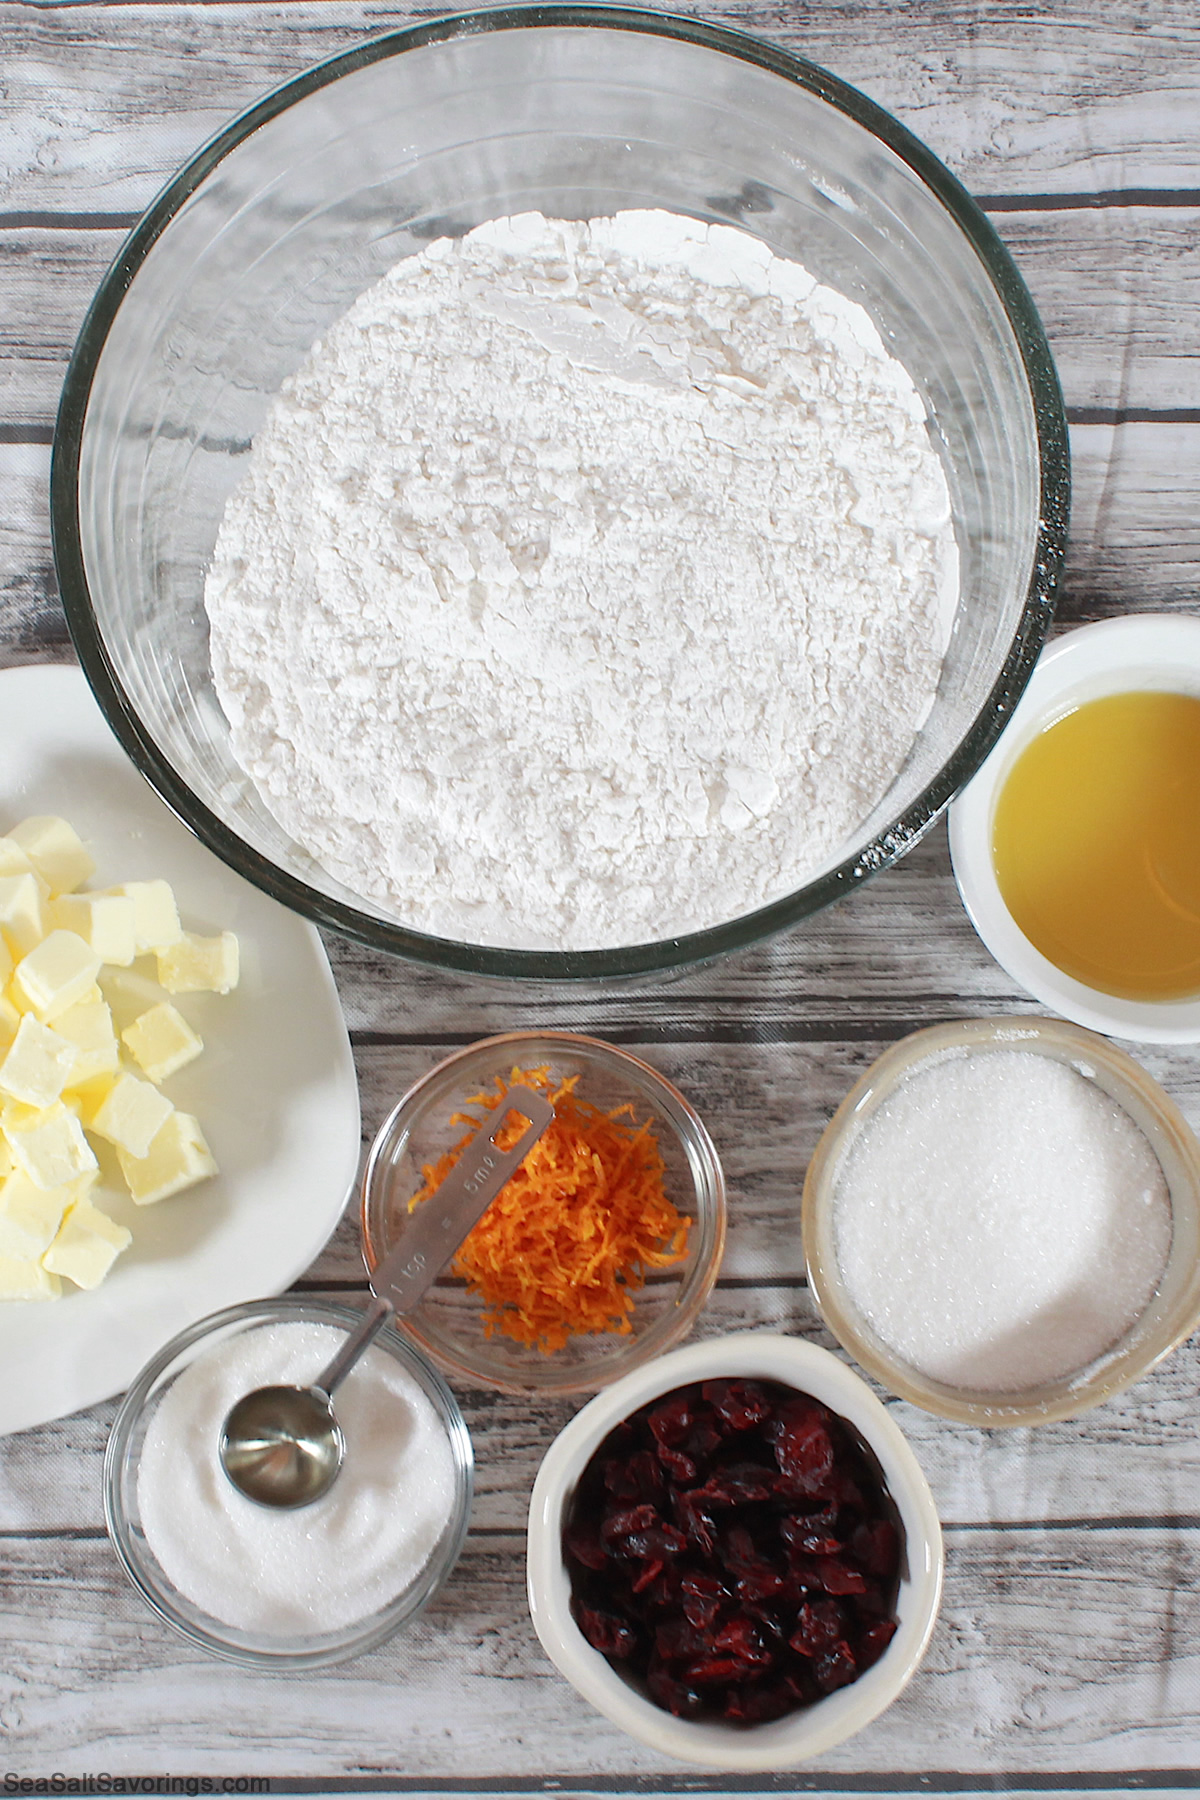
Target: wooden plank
(460,1696)
(1137,1458)
(1069,103)
(1118,289)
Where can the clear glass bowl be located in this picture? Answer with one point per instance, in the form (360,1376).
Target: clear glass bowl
(448,1323)
(1171,1314)
(253,1649)
(801,1735)
(276,226)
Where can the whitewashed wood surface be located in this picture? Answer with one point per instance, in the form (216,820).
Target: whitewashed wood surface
(1067,1658)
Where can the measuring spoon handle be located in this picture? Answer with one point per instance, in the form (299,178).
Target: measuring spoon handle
(363,1335)
(438,1226)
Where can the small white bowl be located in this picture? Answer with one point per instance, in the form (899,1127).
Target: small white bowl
(784,1742)
(1137,654)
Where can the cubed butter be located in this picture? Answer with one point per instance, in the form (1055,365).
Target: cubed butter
(86,1246)
(130,1114)
(30,1216)
(55,850)
(10,1020)
(105,922)
(162,1041)
(37,1065)
(178,1158)
(13,860)
(22,914)
(88,1027)
(200,964)
(49,1145)
(155,914)
(21,1280)
(56,975)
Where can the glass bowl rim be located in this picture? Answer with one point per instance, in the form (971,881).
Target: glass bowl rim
(888,844)
(318,1650)
(711,1211)
(1108,1374)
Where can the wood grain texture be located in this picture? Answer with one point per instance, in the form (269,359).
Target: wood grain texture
(1060,100)
(1003,1687)
(1068,1652)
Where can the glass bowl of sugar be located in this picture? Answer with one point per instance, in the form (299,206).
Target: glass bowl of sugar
(276,1589)
(1002,1221)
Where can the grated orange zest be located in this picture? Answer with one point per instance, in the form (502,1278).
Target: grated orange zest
(565,1246)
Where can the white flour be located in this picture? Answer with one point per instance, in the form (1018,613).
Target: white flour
(587,584)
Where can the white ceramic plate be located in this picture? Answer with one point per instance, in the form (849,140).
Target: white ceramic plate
(1143,651)
(275,1090)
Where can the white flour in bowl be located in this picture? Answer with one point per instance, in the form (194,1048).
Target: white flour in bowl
(587,585)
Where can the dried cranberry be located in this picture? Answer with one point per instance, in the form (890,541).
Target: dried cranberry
(877,1547)
(740,1405)
(733,1548)
(874,1641)
(702,1597)
(672,1418)
(606,1632)
(635,1478)
(623,1524)
(674,1696)
(819,1625)
(837,1668)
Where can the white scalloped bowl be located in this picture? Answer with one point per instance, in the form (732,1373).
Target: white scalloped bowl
(785,1742)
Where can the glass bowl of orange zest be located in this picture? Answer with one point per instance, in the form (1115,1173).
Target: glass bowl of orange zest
(596,1255)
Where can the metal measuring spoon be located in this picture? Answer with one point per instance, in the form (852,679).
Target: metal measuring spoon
(283,1446)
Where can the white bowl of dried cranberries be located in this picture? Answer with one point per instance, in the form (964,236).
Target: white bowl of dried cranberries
(734,1555)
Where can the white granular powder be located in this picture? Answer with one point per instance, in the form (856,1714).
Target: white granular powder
(1000,1221)
(323,1566)
(587,585)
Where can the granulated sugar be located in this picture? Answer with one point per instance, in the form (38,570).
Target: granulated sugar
(1000,1221)
(323,1566)
(588,583)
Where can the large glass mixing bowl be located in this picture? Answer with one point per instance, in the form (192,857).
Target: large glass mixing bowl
(273,230)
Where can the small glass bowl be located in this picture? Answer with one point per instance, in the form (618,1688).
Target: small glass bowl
(448,1323)
(252,1649)
(1171,1314)
(764,1356)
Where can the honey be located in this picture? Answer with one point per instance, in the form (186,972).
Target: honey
(1096,844)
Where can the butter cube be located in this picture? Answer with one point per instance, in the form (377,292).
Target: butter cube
(105,922)
(22,1280)
(200,965)
(87,1245)
(10,1020)
(30,1216)
(48,1144)
(155,914)
(13,860)
(129,994)
(162,1041)
(88,1027)
(55,850)
(22,917)
(37,1064)
(56,975)
(178,1158)
(129,1115)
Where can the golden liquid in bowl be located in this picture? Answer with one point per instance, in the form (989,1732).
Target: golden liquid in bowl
(1096,844)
